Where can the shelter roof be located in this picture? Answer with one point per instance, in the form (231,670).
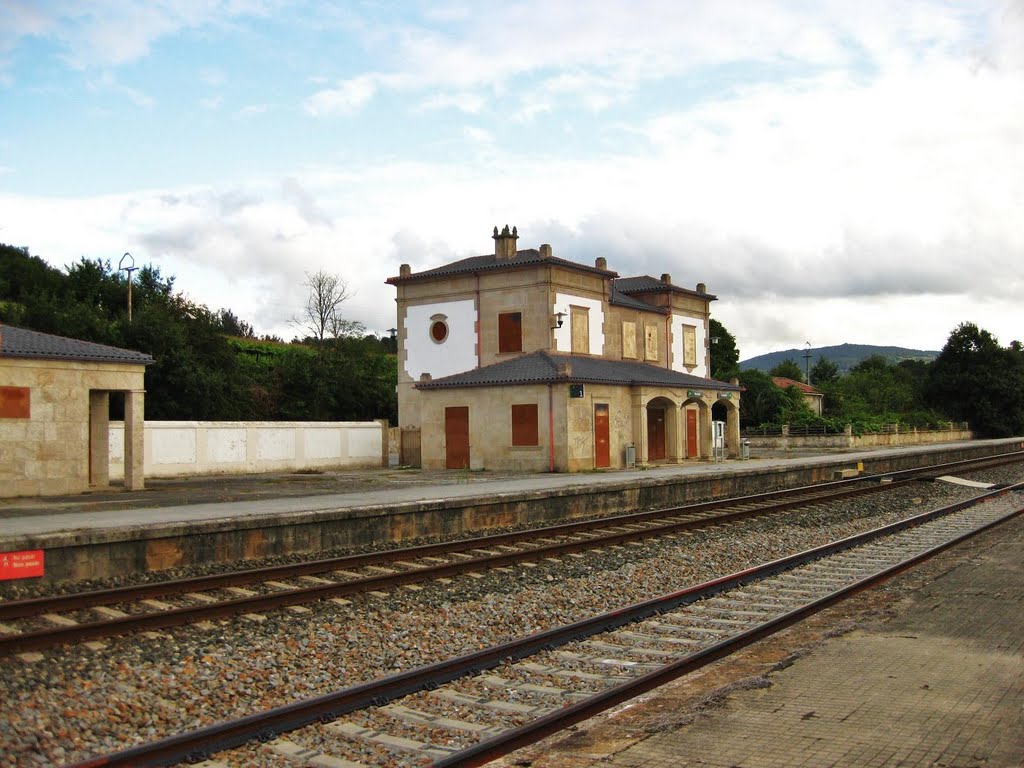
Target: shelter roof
(21,342)
(545,368)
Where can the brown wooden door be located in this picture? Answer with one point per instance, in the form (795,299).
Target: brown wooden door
(691,434)
(602,452)
(655,434)
(456,437)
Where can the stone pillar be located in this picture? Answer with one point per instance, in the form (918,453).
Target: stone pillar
(732,432)
(99,438)
(674,434)
(134,440)
(705,439)
(639,428)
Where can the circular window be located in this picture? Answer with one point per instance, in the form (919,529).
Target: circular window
(439,331)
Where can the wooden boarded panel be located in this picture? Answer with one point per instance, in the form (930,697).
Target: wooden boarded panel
(456,437)
(602,443)
(524,425)
(579,318)
(510,332)
(691,433)
(655,434)
(15,403)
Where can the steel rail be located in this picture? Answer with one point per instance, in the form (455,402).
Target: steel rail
(199,744)
(14,609)
(162,619)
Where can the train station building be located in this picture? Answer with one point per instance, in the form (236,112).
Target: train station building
(54,413)
(523,360)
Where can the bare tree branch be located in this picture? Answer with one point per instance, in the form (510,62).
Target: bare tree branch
(322,317)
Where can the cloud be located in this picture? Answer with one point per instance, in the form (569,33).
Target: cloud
(348,97)
(109,33)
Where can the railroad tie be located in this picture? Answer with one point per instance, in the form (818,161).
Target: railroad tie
(395,743)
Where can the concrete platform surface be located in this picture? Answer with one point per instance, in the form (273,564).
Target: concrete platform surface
(926,670)
(185,500)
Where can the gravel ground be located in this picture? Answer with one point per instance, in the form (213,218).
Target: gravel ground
(78,702)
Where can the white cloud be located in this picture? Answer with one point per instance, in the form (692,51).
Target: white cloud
(348,97)
(105,33)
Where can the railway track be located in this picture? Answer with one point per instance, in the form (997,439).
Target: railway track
(45,622)
(472,709)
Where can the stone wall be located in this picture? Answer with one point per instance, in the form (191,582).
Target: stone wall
(177,448)
(895,438)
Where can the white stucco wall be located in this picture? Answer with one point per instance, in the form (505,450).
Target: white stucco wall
(701,369)
(179,448)
(563,335)
(455,354)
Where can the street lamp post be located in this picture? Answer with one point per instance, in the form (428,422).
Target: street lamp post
(129,269)
(807,363)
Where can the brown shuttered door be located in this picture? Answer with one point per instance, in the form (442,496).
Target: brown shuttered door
(456,437)
(602,453)
(655,434)
(691,434)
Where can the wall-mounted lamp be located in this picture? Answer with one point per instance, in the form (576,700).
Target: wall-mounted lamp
(559,319)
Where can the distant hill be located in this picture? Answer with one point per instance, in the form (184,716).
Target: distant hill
(845,356)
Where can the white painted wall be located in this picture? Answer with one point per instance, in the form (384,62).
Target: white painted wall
(177,448)
(701,369)
(563,335)
(455,354)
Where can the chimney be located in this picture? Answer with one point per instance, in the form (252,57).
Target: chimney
(565,369)
(601,262)
(666,278)
(701,288)
(545,251)
(404,271)
(505,243)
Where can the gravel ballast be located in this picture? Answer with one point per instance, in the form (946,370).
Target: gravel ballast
(75,702)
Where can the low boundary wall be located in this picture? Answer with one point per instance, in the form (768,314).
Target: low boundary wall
(195,448)
(82,554)
(789,442)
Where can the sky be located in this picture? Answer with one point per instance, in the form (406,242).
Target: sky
(834,171)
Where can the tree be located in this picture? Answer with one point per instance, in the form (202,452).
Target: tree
(975,380)
(787,369)
(824,372)
(725,356)
(322,316)
(763,402)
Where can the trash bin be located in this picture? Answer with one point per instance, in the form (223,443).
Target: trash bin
(630,455)
(744,449)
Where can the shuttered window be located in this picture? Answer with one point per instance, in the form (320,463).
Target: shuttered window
(15,403)
(524,425)
(510,332)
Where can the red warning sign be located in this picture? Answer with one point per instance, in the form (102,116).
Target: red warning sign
(21,565)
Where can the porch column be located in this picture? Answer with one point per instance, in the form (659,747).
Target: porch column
(705,439)
(134,440)
(639,427)
(674,434)
(99,438)
(732,431)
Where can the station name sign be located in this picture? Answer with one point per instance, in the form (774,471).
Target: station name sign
(725,395)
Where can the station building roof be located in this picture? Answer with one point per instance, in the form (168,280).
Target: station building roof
(21,342)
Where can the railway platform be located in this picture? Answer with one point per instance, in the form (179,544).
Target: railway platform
(186,522)
(924,671)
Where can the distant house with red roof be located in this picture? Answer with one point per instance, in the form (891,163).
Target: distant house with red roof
(813,396)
